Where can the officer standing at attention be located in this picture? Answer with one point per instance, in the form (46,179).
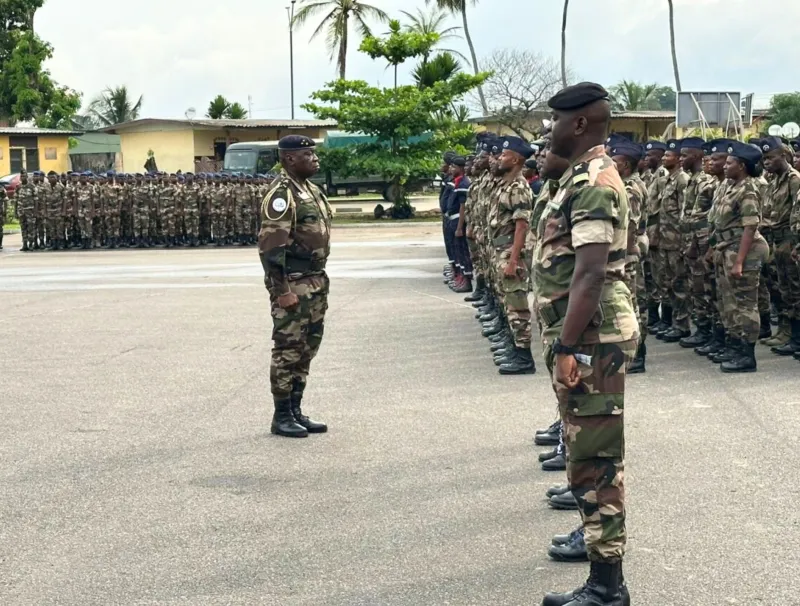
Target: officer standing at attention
(294,245)
(589,330)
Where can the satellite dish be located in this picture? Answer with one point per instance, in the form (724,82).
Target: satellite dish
(190,113)
(790,130)
(775,130)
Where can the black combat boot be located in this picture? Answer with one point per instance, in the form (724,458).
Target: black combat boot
(87,243)
(112,243)
(564,502)
(25,247)
(500,341)
(793,344)
(765,332)
(477,294)
(521,363)
(558,462)
(728,353)
(715,343)
(298,387)
(638,364)
(745,360)
(604,587)
(652,315)
(167,242)
(665,325)
(699,338)
(283,421)
(492,328)
(574,550)
(550,436)
(563,539)
(553,491)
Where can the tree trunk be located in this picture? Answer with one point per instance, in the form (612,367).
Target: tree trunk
(564,44)
(474,56)
(343,49)
(672,44)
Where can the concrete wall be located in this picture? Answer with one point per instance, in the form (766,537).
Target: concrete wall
(174,150)
(54,143)
(204,139)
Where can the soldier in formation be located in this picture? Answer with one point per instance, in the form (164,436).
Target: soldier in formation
(114,210)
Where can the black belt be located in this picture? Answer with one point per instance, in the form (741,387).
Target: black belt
(551,313)
(296,265)
(728,235)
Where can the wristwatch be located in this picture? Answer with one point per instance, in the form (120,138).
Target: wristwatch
(560,348)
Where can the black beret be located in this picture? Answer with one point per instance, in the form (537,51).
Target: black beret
(295,143)
(653,144)
(674,145)
(614,138)
(448,156)
(692,143)
(747,153)
(718,146)
(768,144)
(531,163)
(628,149)
(459,161)
(577,96)
(518,145)
(52,173)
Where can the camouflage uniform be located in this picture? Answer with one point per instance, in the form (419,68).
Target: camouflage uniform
(98,214)
(26,199)
(191,204)
(471,221)
(294,245)
(735,209)
(655,181)
(3,212)
(84,194)
(113,196)
(636,191)
(40,211)
(140,196)
(699,196)
(769,274)
(671,273)
(219,206)
(166,208)
(782,197)
(242,199)
(54,202)
(591,207)
(512,201)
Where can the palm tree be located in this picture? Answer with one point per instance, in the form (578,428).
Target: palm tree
(433,23)
(439,69)
(564,44)
(218,108)
(114,106)
(460,7)
(672,44)
(236,112)
(632,96)
(337,23)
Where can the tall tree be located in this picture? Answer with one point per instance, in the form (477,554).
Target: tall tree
(784,108)
(399,46)
(672,45)
(115,106)
(217,108)
(564,44)
(336,24)
(632,96)
(439,69)
(459,7)
(433,23)
(236,112)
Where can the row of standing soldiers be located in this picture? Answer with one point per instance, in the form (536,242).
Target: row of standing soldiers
(85,210)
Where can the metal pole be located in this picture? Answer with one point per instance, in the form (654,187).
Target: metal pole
(291,52)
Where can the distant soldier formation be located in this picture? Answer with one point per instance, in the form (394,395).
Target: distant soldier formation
(115,210)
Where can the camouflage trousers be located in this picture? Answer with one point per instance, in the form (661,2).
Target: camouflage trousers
(112,226)
(191,220)
(40,228)
(218,223)
(593,416)
(701,281)
(297,335)
(651,288)
(739,296)
(168,222)
(55,228)
(513,294)
(634,280)
(673,274)
(788,280)
(474,253)
(141,222)
(28,228)
(242,221)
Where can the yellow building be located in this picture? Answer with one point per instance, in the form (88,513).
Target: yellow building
(34,149)
(180,144)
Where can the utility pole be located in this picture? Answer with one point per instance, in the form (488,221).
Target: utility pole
(290,12)
(249,106)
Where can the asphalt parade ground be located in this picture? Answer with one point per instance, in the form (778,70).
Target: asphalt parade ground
(137,467)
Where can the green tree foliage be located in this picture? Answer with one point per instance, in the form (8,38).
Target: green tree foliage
(433,22)
(785,108)
(217,108)
(336,24)
(667,98)
(27,90)
(439,69)
(236,112)
(115,106)
(399,45)
(635,96)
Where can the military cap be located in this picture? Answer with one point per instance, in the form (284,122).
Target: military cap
(531,163)
(629,149)
(615,138)
(181,178)
(448,156)
(655,145)
(295,143)
(719,146)
(768,144)
(86,173)
(795,143)
(692,143)
(52,173)
(459,161)
(518,145)
(248,176)
(674,145)
(747,153)
(577,96)
(189,174)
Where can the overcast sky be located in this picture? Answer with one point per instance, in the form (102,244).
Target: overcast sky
(181,53)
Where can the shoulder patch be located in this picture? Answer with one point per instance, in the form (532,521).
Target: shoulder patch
(276,204)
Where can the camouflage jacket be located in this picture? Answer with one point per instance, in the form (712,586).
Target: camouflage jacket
(511,201)
(26,197)
(699,196)
(54,200)
(636,203)
(112,195)
(738,207)
(670,210)
(781,200)
(84,194)
(590,207)
(471,206)
(294,240)
(166,197)
(655,184)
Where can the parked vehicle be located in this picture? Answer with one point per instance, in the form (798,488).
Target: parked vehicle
(11,183)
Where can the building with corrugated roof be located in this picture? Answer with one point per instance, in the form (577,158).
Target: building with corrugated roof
(186,144)
(29,148)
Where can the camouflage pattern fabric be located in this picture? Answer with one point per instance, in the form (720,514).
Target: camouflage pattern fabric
(166,207)
(191,209)
(113,199)
(782,200)
(513,201)
(699,198)
(636,191)
(26,199)
(54,203)
(593,414)
(219,204)
(656,289)
(670,241)
(84,195)
(242,200)
(294,245)
(141,210)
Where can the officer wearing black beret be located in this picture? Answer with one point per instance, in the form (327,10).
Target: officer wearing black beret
(294,245)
